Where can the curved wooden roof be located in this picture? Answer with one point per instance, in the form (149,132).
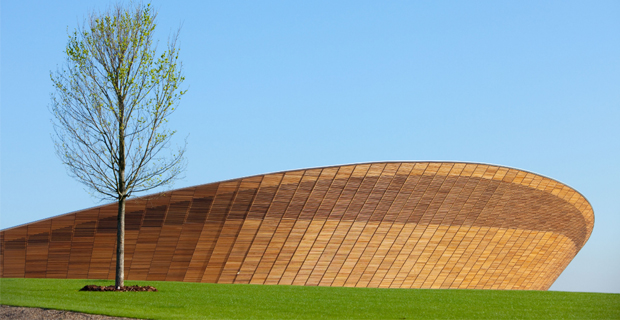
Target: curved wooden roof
(387,224)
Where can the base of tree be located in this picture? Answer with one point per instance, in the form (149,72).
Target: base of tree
(93,287)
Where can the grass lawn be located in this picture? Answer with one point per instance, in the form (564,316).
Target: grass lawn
(178,300)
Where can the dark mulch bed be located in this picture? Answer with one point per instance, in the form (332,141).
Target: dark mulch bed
(93,287)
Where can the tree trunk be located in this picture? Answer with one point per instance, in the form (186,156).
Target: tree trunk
(120,245)
(120,232)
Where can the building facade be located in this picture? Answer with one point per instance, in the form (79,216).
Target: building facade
(387,225)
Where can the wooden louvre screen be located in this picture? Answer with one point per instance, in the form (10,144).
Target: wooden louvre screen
(388,225)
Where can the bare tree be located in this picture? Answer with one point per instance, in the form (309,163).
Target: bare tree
(110,107)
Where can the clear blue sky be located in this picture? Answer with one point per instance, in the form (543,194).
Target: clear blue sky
(279,85)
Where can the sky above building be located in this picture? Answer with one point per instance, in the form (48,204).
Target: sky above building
(281,85)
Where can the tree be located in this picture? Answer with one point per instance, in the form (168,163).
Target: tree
(110,107)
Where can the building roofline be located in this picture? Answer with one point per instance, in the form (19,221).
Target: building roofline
(312,168)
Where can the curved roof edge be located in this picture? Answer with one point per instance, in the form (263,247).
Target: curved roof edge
(334,166)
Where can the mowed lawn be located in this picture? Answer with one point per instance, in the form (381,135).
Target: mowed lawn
(177,300)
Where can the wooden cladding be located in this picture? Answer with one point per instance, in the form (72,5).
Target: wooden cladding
(391,225)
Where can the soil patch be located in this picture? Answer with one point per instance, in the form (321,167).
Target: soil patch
(10,312)
(93,287)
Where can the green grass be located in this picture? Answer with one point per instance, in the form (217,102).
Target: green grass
(177,300)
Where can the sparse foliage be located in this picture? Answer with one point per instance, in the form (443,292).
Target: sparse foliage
(111,105)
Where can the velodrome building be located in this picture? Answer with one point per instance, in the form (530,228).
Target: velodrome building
(384,224)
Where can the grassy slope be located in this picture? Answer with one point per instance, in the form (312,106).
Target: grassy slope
(176,300)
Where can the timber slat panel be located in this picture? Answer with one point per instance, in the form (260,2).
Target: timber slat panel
(387,224)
